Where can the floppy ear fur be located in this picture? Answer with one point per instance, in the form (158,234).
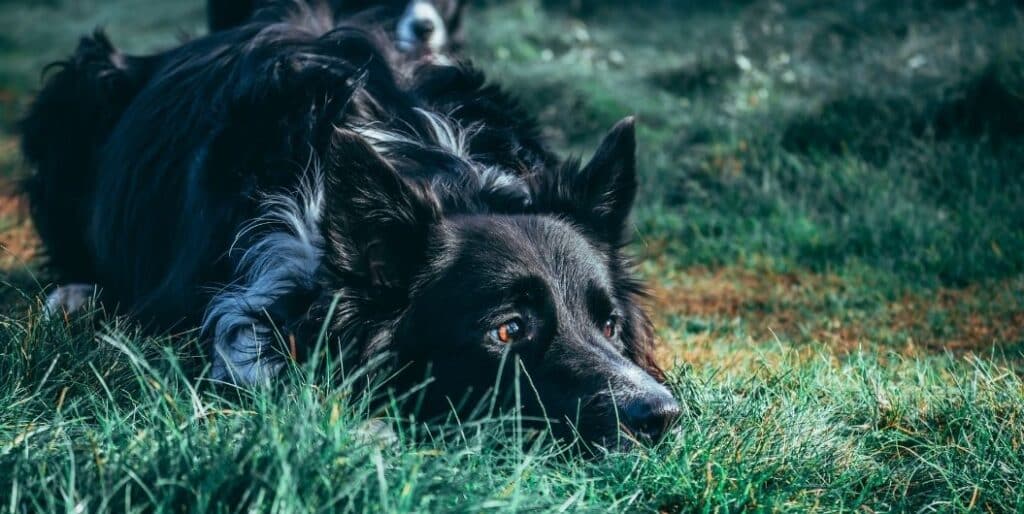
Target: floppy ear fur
(599,196)
(377,223)
(454,17)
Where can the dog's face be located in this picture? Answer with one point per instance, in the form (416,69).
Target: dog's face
(534,291)
(421,27)
(428,26)
(540,298)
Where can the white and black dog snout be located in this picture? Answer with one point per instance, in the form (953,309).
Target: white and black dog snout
(422,27)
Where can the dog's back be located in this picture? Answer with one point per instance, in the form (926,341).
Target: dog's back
(144,173)
(224,14)
(62,134)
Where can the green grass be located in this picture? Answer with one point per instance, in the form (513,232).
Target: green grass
(832,218)
(807,130)
(91,423)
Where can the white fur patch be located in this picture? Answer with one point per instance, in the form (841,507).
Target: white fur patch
(451,136)
(421,11)
(494,177)
(448,135)
(69,299)
(380,139)
(376,432)
(445,133)
(283,259)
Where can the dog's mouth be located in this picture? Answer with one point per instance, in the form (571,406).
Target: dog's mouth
(417,48)
(414,48)
(643,421)
(422,53)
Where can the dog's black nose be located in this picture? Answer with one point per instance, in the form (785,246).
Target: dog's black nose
(650,415)
(423,28)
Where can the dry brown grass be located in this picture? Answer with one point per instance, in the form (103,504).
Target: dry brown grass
(829,309)
(18,242)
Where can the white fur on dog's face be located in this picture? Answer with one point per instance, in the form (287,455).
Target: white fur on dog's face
(421,10)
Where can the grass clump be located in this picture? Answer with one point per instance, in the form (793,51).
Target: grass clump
(125,427)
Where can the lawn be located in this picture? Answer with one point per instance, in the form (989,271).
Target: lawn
(831,221)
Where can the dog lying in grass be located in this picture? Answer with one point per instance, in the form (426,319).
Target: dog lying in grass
(418,28)
(266,181)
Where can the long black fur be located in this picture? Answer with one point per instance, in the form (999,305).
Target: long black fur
(250,180)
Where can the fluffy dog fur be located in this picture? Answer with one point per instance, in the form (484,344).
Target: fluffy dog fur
(269,178)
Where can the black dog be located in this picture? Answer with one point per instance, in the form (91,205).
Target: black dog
(276,176)
(418,28)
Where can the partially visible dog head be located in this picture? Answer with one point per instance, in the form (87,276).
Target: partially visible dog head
(428,26)
(478,298)
(421,27)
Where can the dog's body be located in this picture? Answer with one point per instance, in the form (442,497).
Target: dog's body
(267,178)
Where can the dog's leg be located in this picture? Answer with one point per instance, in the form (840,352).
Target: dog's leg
(278,253)
(275,285)
(61,136)
(69,299)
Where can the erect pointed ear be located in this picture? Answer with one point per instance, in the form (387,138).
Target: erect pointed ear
(377,224)
(453,18)
(600,195)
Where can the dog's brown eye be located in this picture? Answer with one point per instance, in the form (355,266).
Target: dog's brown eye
(611,327)
(508,332)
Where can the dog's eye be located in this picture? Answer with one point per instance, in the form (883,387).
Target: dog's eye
(611,327)
(508,332)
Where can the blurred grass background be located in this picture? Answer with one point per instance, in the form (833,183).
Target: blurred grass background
(831,219)
(818,133)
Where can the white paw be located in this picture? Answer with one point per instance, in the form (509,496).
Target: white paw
(376,432)
(69,299)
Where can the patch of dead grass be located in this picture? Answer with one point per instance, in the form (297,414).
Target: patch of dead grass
(19,245)
(839,312)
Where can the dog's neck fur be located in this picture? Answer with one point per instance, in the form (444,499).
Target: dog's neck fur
(454,120)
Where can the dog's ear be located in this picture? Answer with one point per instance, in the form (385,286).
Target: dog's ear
(376,223)
(453,16)
(600,195)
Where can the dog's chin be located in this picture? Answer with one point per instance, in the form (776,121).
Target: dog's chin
(407,46)
(417,50)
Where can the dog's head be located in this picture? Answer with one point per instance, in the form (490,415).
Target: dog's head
(541,297)
(420,27)
(429,26)
(423,26)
